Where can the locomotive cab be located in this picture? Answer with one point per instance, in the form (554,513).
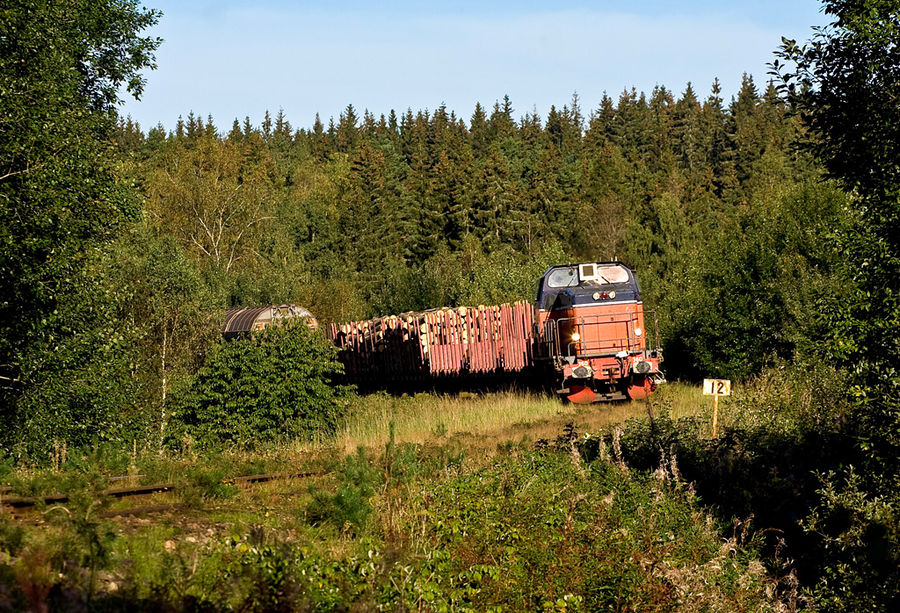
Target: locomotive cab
(591,330)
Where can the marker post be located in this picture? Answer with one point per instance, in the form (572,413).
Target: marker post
(716,388)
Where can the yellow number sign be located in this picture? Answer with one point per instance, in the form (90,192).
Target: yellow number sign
(716,387)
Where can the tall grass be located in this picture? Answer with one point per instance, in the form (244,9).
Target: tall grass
(491,417)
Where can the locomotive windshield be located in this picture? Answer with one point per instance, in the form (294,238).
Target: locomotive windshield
(563,277)
(590,274)
(582,284)
(610,274)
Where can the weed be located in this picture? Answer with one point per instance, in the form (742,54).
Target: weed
(348,508)
(35,576)
(471,524)
(205,484)
(12,536)
(439,430)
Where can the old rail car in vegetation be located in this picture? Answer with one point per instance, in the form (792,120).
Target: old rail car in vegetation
(586,332)
(246,320)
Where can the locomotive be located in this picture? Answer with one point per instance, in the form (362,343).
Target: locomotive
(590,329)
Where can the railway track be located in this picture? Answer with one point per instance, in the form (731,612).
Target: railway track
(26,502)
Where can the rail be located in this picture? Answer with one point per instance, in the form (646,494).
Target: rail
(19,502)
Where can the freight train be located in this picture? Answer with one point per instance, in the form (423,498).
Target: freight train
(586,334)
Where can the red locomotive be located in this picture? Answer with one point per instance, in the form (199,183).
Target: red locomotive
(591,328)
(586,330)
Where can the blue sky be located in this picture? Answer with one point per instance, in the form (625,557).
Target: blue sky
(231,58)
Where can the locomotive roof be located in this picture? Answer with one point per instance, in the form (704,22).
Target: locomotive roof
(601,263)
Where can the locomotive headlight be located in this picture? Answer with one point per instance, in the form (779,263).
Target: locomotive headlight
(612,295)
(596,295)
(582,372)
(638,331)
(642,367)
(576,337)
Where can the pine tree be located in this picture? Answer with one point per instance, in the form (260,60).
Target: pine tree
(501,124)
(746,138)
(478,128)
(718,154)
(235,135)
(347,130)
(687,132)
(661,151)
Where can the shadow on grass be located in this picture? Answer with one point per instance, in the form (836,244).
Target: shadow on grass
(820,500)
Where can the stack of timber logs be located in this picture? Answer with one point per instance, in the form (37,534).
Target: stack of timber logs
(446,342)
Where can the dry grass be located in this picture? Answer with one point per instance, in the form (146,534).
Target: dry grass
(486,420)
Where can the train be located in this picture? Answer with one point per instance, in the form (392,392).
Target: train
(586,335)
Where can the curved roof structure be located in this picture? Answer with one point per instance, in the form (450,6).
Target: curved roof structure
(245,320)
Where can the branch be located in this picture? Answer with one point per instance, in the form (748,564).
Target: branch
(20,172)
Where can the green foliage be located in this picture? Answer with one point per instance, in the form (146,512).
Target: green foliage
(12,536)
(62,65)
(369,217)
(471,276)
(787,398)
(275,385)
(845,83)
(794,456)
(539,532)
(729,228)
(205,484)
(751,290)
(348,507)
(79,378)
(173,324)
(861,535)
(523,531)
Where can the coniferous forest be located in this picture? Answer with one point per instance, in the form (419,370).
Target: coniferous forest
(763,229)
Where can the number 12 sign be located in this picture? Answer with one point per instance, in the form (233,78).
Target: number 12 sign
(716,387)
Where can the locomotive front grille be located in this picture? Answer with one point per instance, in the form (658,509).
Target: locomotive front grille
(601,335)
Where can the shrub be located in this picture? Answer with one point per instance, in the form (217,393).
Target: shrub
(790,398)
(276,384)
(348,507)
(860,545)
(205,484)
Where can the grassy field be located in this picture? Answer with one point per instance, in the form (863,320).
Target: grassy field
(425,502)
(487,419)
(476,422)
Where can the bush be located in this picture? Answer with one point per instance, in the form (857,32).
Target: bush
(276,384)
(860,545)
(349,507)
